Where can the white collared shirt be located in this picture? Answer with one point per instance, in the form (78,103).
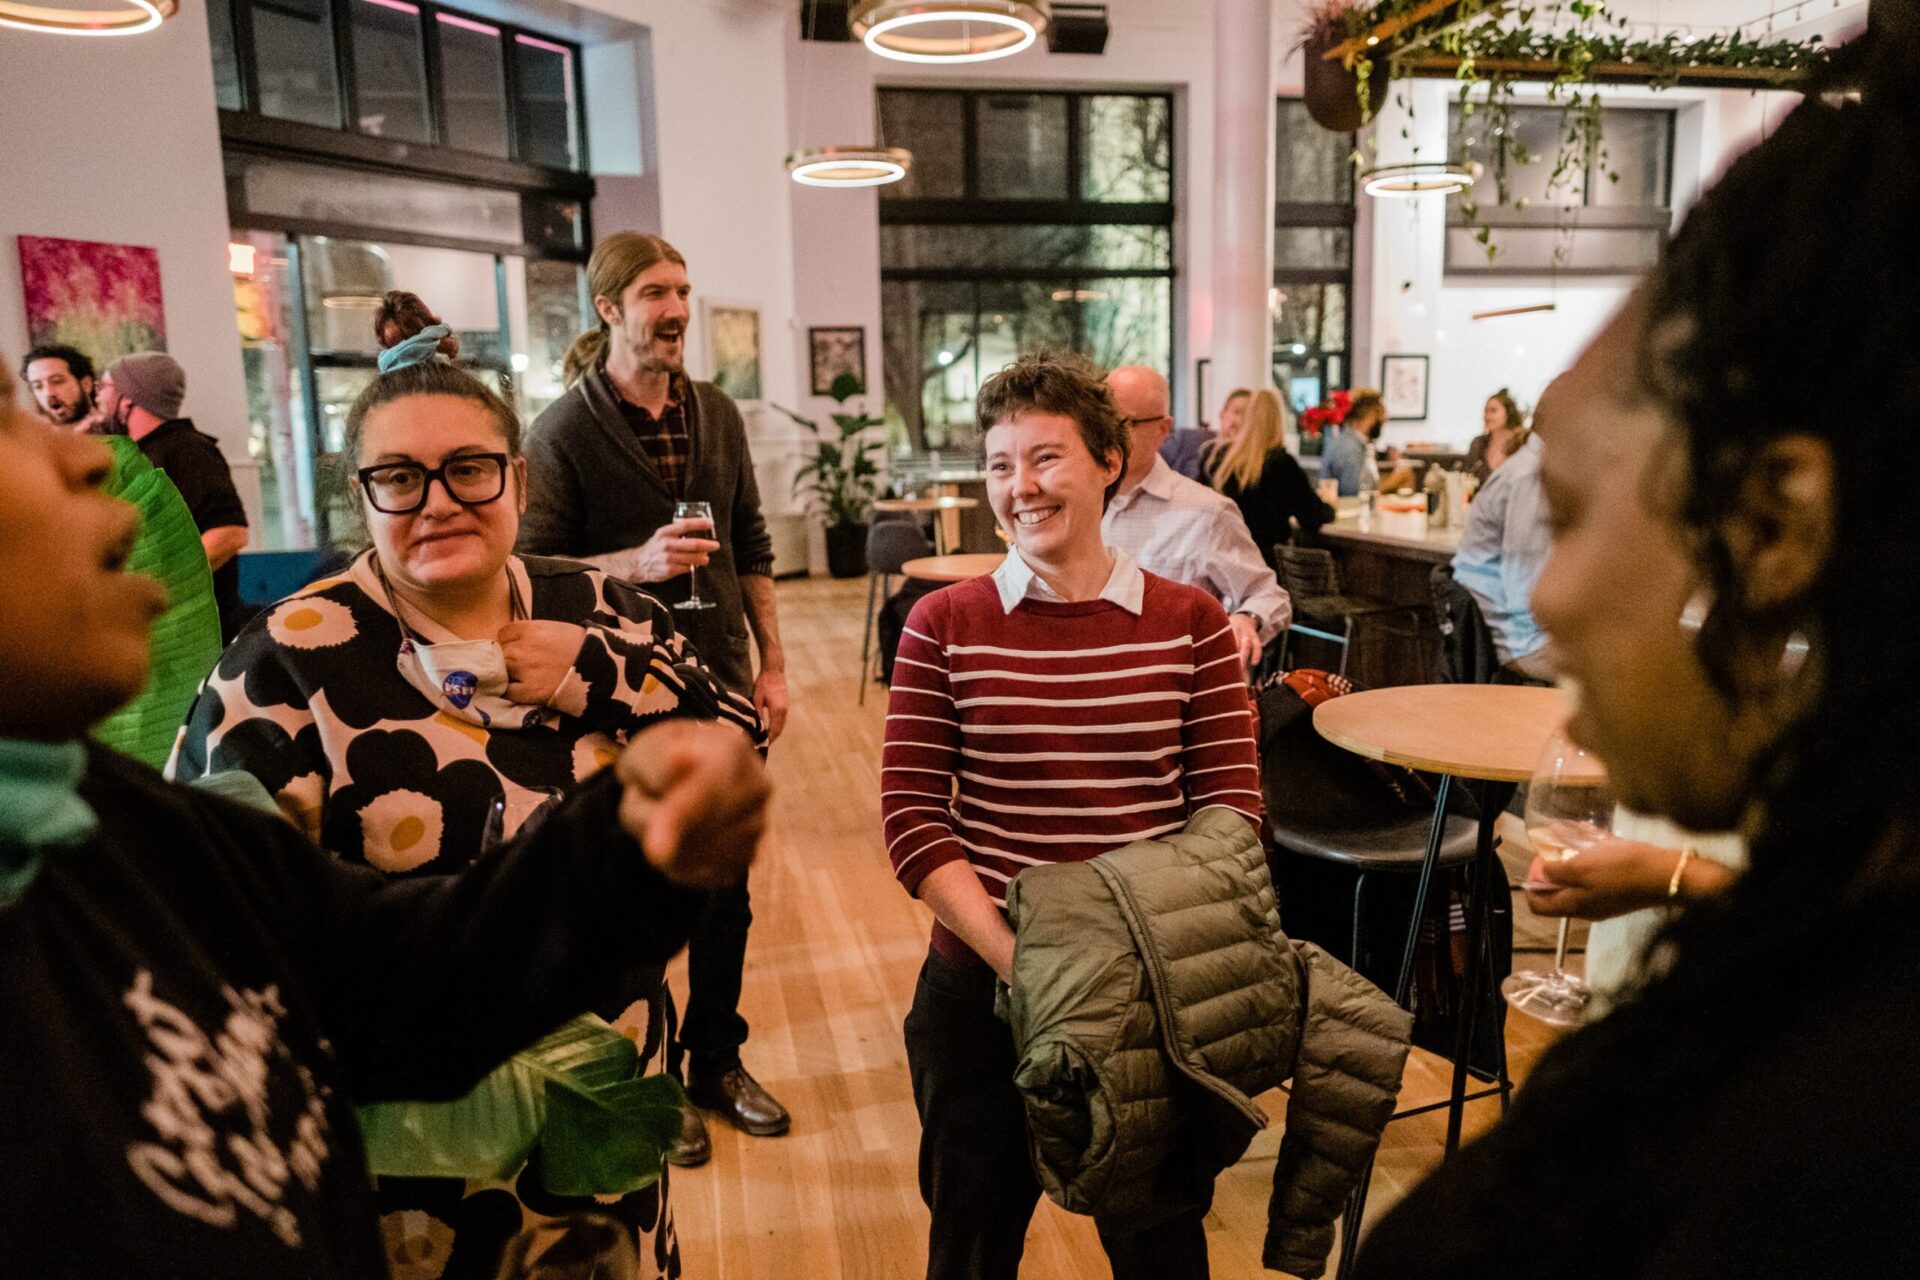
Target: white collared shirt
(1187,532)
(1016,581)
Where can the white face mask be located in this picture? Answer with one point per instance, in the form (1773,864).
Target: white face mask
(466,679)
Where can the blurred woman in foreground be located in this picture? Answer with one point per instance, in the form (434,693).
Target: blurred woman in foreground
(1733,566)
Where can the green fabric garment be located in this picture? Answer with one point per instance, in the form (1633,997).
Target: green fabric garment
(1154,996)
(186,638)
(40,806)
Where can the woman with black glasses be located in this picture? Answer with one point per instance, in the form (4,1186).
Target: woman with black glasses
(392,709)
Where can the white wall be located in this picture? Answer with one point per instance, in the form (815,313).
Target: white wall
(117,140)
(1414,309)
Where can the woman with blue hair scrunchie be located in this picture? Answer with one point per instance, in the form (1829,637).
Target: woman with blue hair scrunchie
(389,708)
(409,334)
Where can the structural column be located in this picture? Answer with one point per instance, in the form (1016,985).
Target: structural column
(1243,195)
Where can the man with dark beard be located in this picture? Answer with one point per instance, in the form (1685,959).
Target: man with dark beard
(62,381)
(609,465)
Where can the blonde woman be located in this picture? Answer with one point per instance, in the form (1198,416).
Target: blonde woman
(1251,466)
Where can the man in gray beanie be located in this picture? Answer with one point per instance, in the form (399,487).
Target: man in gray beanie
(140,395)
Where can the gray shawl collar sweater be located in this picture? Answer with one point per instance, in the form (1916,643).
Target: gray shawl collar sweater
(592,489)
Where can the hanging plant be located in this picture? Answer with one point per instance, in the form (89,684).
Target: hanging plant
(1485,49)
(1339,93)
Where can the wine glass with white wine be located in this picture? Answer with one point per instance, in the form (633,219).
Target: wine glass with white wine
(1569,809)
(694,511)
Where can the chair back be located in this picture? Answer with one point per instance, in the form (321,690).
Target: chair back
(1468,655)
(891,543)
(1308,781)
(1307,572)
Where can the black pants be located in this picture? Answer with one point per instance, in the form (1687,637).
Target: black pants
(975,1173)
(712,1030)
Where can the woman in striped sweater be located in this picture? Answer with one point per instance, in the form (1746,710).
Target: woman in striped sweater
(1062,707)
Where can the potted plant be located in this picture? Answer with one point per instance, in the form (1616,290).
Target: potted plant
(841,479)
(1341,95)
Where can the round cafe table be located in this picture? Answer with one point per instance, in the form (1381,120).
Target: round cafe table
(952,568)
(1490,736)
(939,506)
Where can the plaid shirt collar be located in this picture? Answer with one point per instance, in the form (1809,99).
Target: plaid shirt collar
(678,390)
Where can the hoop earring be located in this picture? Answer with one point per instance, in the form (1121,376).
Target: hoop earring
(1793,656)
(1693,616)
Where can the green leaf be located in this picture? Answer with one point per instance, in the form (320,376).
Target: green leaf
(845,387)
(576,1098)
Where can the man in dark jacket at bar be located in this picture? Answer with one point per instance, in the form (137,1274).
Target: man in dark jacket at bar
(610,463)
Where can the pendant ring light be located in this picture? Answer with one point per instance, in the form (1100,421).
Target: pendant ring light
(947,31)
(117,18)
(849,166)
(1422,178)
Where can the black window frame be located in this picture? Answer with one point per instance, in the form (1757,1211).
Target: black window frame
(1330,215)
(435,157)
(971,209)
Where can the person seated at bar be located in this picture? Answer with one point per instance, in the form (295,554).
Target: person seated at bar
(1186,448)
(200,995)
(390,708)
(1182,529)
(1073,703)
(1499,559)
(1729,594)
(1505,430)
(1251,465)
(1348,456)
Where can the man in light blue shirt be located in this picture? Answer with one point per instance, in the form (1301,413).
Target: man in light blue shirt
(1500,556)
(1348,454)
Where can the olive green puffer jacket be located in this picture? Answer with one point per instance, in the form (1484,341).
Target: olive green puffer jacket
(1153,998)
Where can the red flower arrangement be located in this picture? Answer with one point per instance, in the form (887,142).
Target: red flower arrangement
(1333,413)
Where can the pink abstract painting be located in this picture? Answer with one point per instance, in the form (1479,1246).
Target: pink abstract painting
(102,298)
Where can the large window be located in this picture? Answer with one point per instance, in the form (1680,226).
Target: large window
(1312,258)
(412,73)
(1029,220)
(306,305)
(1610,218)
(391,144)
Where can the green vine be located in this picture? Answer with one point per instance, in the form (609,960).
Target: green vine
(1474,35)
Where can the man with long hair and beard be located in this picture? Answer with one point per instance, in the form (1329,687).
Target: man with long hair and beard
(610,465)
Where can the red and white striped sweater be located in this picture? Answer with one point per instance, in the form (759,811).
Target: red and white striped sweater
(1059,731)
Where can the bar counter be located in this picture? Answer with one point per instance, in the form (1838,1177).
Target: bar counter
(1393,568)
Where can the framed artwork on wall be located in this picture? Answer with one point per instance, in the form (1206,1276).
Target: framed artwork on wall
(1403,385)
(101,298)
(1202,410)
(733,349)
(834,353)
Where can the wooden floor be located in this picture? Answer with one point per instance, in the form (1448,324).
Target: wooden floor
(830,971)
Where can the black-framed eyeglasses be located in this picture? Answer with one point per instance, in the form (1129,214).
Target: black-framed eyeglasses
(400,488)
(1131,423)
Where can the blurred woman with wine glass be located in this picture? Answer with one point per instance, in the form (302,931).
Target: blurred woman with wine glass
(1732,570)
(437,694)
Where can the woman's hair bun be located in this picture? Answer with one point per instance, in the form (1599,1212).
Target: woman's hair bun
(401,316)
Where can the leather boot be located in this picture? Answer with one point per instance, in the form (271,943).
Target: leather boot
(691,1147)
(740,1100)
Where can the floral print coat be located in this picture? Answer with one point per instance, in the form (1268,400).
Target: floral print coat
(309,700)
